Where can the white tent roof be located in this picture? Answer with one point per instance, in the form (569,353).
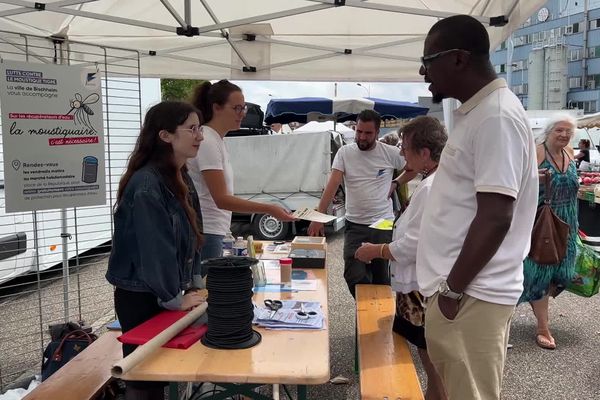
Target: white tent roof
(332,40)
(314,126)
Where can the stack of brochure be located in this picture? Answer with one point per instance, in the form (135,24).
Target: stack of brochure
(287,317)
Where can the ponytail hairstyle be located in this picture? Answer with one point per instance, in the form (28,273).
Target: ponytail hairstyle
(150,148)
(207,94)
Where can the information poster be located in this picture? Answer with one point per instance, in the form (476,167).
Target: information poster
(53,136)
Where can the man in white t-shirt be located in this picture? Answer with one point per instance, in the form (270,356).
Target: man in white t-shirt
(476,228)
(366,168)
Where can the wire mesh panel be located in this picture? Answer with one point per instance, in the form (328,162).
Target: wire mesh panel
(39,285)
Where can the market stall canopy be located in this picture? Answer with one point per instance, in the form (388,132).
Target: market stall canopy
(325,126)
(316,40)
(589,121)
(305,109)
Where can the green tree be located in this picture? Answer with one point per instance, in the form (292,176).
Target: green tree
(178,89)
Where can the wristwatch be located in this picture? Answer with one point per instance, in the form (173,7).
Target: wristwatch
(446,292)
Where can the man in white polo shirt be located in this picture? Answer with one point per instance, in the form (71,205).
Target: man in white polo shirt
(366,168)
(477,223)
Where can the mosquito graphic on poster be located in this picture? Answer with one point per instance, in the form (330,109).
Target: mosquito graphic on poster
(81,109)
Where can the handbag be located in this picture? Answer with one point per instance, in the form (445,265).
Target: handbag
(550,233)
(61,350)
(586,281)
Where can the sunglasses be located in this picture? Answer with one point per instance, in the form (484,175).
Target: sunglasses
(426,60)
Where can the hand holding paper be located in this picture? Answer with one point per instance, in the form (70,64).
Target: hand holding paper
(313,215)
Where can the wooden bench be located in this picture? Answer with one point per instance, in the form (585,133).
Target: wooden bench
(84,376)
(386,367)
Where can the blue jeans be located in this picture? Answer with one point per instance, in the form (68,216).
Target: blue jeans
(211,248)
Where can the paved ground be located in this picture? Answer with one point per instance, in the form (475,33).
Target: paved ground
(570,372)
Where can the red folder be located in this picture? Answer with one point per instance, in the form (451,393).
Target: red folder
(155,325)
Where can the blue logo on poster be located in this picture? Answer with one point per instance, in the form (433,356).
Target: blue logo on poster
(89,172)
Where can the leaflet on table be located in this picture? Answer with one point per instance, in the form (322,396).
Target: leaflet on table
(278,248)
(297,305)
(313,215)
(286,319)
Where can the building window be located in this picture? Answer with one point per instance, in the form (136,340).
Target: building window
(575,27)
(595,24)
(592,82)
(594,52)
(586,106)
(575,54)
(575,82)
(519,65)
(519,41)
(520,89)
(500,69)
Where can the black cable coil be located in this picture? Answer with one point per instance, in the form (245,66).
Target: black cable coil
(230,309)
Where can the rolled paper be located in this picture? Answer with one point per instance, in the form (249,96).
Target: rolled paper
(141,352)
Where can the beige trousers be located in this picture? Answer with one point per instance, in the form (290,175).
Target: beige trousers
(469,351)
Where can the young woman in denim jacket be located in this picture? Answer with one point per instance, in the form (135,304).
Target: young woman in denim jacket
(155,251)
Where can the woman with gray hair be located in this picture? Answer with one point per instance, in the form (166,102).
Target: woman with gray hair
(423,140)
(541,281)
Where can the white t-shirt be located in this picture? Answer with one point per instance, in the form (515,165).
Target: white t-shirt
(491,149)
(367,178)
(406,238)
(212,155)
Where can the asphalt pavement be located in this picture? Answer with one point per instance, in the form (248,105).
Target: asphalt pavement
(572,371)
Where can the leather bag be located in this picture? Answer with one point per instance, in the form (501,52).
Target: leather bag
(62,350)
(550,233)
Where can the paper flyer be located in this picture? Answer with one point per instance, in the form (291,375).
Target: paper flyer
(313,215)
(383,224)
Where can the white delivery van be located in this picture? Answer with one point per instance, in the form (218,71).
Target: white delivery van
(291,170)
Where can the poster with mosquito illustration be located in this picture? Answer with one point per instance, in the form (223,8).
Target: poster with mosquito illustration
(53,136)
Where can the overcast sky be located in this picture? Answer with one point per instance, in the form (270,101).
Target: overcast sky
(260,92)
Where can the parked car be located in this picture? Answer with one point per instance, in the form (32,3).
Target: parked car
(290,169)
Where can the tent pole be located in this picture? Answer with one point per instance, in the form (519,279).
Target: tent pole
(174,13)
(187,12)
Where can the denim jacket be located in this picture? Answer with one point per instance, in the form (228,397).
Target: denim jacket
(154,245)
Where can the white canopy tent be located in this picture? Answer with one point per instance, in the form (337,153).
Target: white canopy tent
(306,40)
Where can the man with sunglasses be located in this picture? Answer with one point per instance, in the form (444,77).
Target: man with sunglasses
(478,218)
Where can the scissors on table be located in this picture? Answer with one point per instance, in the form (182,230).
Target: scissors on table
(274,306)
(303,314)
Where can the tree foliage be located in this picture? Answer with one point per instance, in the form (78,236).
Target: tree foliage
(178,89)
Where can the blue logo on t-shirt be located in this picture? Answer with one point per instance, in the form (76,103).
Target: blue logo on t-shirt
(380,172)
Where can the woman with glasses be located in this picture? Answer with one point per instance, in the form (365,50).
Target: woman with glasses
(155,260)
(423,140)
(223,107)
(542,280)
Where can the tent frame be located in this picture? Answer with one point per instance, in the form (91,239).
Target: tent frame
(185,27)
